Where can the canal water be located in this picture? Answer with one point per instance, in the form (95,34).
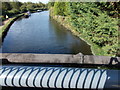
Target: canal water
(40,34)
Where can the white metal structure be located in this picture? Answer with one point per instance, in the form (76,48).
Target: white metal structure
(58,77)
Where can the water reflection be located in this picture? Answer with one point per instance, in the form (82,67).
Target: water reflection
(40,34)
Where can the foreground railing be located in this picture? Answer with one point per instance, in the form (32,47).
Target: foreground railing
(58,77)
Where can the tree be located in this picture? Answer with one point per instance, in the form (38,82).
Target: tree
(51,4)
(5,7)
(16,5)
(23,8)
(30,6)
(60,8)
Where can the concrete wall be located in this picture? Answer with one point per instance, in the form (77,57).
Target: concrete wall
(60,58)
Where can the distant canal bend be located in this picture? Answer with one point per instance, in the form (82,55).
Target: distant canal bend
(39,34)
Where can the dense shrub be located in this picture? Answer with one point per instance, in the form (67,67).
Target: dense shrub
(97,21)
(13,12)
(59,8)
(2,18)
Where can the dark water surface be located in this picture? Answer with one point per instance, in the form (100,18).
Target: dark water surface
(40,34)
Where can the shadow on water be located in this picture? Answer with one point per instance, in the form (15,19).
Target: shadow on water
(76,45)
(40,34)
(6,32)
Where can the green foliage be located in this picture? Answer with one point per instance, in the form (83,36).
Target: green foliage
(2,18)
(51,4)
(6,26)
(13,8)
(23,8)
(13,12)
(111,8)
(30,7)
(5,6)
(16,5)
(60,8)
(96,20)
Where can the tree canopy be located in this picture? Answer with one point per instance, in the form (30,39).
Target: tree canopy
(12,8)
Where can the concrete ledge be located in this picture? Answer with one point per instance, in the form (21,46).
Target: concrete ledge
(42,58)
(60,58)
(90,59)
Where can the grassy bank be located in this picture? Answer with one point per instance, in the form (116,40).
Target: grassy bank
(64,21)
(96,23)
(6,27)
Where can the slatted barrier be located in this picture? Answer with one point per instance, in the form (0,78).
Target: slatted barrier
(58,77)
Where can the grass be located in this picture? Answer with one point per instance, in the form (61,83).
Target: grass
(8,24)
(5,26)
(96,50)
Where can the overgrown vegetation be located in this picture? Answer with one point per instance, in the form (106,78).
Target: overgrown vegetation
(8,24)
(13,8)
(96,22)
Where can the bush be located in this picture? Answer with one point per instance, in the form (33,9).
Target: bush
(23,8)
(2,18)
(13,12)
(60,8)
(99,26)
(94,21)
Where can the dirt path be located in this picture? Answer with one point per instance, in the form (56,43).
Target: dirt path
(4,22)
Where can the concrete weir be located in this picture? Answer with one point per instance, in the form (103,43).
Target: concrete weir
(39,76)
(60,58)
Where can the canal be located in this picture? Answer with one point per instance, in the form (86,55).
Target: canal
(42,35)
